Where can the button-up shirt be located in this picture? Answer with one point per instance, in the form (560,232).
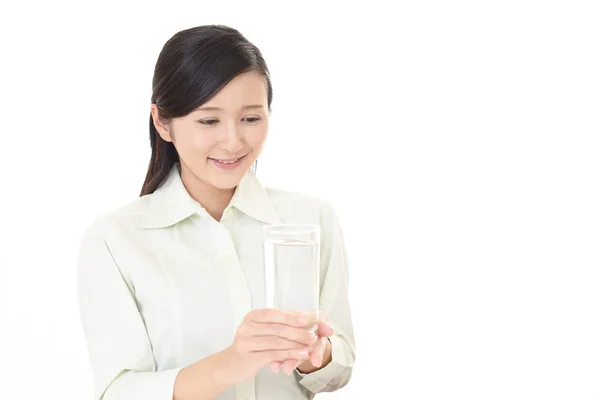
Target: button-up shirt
(162,284)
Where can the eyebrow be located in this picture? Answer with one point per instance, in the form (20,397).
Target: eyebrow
(249,107)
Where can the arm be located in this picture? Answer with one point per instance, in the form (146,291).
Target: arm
(339,354)
(119,348)
(202,380)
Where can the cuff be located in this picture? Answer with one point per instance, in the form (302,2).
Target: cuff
(335,374)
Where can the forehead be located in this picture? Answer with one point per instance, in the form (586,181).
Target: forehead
(248,88)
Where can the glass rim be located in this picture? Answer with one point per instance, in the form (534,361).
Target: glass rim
(291,228)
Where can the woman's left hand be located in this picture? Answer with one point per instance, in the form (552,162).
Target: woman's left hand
(319,357)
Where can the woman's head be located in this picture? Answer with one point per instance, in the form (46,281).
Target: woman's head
(211,98)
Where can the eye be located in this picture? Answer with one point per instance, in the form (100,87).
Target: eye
(252,119)
(209,121)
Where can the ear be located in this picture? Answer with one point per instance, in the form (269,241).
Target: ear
(162,128)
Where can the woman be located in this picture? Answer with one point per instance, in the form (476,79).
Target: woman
(171,286)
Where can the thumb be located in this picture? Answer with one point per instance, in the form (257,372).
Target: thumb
(324,330)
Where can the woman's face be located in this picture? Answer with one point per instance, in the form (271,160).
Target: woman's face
(219,141)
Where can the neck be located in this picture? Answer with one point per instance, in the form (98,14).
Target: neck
(214,200)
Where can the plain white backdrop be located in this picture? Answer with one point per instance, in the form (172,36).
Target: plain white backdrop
(458,141)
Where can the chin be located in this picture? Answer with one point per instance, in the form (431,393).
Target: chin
(229,181)
(225,185)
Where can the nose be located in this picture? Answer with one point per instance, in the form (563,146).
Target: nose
(231,139)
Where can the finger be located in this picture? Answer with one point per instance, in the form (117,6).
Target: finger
(273,316)
(267,343)
(311,318)
(283,355)
(298,335)
(324,329)
(275,366)
(316,357)
(289,366)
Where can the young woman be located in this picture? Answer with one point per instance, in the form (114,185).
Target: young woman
(171,286)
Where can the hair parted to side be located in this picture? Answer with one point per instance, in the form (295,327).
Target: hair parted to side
(192,67)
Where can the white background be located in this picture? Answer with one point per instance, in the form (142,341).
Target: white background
(458,141)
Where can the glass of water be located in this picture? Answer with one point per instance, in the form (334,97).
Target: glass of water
(291,257)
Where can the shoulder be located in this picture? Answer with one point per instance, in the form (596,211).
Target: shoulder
(126,218)
(299,207)
(291,198)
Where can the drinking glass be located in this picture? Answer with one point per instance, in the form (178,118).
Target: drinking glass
(291,260)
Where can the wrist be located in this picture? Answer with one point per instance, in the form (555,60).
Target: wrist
(222,373)
(204,379)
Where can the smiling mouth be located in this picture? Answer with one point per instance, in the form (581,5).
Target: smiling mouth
(227,162)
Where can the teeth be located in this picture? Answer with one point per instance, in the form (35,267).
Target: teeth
(227,162)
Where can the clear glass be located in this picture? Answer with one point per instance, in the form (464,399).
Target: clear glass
(292,262)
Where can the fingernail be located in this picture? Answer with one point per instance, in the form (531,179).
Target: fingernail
(303,352)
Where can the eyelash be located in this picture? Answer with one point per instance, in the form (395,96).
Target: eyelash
(214,121)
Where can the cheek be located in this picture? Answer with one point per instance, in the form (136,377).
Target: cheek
(255,138)
(194,142)
(202,142)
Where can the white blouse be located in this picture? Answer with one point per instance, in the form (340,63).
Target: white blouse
(162,284)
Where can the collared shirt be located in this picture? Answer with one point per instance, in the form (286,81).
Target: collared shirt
(162,285)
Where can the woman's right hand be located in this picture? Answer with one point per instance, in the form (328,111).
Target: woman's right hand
(264,336)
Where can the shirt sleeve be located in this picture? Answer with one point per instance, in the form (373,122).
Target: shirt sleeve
(334,302)
(119,349)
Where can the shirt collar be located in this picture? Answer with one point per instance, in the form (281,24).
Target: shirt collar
(171,203)
(251,198)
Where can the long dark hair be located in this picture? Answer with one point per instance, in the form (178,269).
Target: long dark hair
(192,67)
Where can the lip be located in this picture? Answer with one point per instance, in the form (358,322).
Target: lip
(226,163)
